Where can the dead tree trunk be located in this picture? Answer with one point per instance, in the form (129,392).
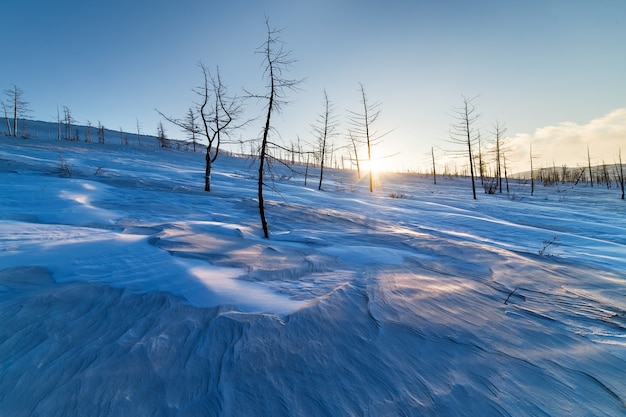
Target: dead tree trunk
(325,131)
(356,156)
(462,133)
(620,172)
(263,150)
(432,152)
(276,61)
(363,127)
(589,164)
(532,177)
(500,154)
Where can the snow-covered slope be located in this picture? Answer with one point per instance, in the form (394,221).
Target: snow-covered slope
(125,290)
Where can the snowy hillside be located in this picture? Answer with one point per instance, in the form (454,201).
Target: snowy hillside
(125,290)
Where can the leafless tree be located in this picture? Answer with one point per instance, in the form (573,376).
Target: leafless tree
(499,131)
(191,122)
(298,151)
(276,61)
(432,153)
(88,132)
(218,120)
(463,133)
(325,130)
(362,123)
(58,123)
(7,118)
(506,176)
(124,138)
(619,167)
(17,108)
(306,169)
(532,171)
(68,120)
(356,153)
(161,138)
(481,160)
(605,177)
(589,164)
(100,131)
(218,113)
(138,132)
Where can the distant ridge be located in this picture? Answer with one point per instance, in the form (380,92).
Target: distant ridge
(34,129)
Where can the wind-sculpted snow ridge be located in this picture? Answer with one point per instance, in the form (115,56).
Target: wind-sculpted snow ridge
(386,349)
(126,290)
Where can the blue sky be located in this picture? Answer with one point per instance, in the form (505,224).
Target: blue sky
(533,65)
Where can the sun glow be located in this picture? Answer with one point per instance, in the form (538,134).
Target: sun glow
(377,166)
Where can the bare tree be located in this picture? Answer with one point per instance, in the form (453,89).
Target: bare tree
(7,118)
(589,164)
(463,133)
(306,169)
(606,178)
(58,123)
(161,138)
(138,132)
(124,138)
(619,167)
(17,108)
(298,151)
(68,120)
(532,175)
(276,61)
(192,127)
(499,131)
(100,131)
(506,176)
(356,154)
(325,130)
(432,152)
(362,127)
(88,132)
(218,113)
(481,161)
(219,121)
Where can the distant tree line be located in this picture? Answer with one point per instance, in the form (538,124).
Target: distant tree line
(214,118)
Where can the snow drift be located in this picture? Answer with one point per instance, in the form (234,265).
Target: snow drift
(125,290)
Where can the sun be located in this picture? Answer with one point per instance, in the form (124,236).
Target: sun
(377,166)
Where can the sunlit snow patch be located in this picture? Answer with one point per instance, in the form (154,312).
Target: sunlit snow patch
(365,255)
(224,288)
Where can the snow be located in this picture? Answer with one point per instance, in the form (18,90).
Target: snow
(127,290)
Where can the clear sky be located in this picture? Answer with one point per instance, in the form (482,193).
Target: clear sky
(553,71)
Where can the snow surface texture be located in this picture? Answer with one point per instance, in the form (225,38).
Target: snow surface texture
(125,290)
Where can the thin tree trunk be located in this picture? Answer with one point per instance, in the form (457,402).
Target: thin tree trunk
(506,177)
(621,172)
(366,123)
(6,117)
(58,124)
(498,161)
(532,178)
(432,151)
(589,163)
(356,158)
(207,170)
(481,166)
(15,106)
(263,154)
(138,134)
(323,150)
(469,148)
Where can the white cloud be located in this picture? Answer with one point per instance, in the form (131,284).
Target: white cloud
(566,143)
